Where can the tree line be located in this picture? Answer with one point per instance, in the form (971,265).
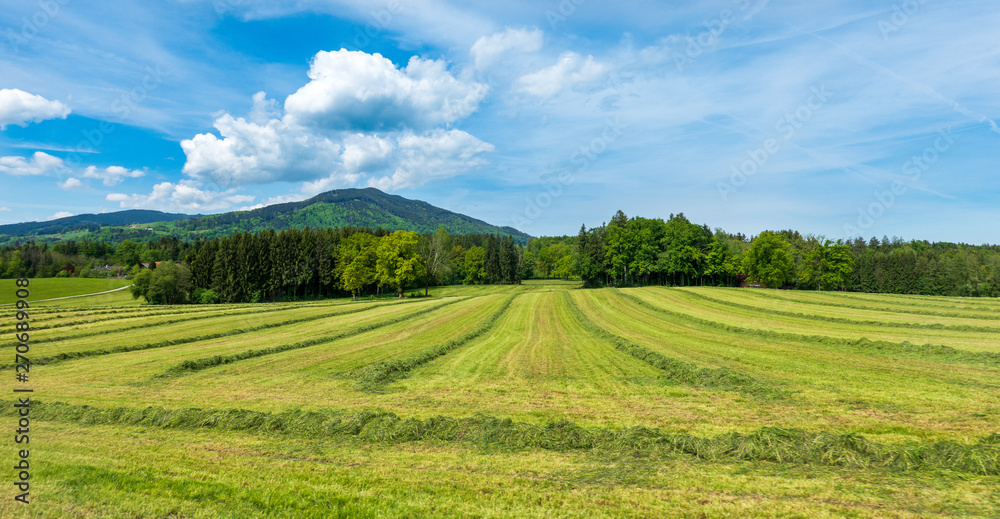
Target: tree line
(293,263)
(641,251)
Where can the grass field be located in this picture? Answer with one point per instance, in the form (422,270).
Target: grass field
(51,288)
(541,400)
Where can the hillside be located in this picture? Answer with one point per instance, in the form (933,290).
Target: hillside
(345,207)
(88,222)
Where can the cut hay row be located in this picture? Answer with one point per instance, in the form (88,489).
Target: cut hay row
(843,320)
(249,310)
(769,444)
(909,300)
(198,338)
(863,345)
(840,301)
(198,314)
(673,369)
(189,366)
(373,376)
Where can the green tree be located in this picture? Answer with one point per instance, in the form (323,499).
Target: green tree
(436,252)
(356,262)
(168,285)
(140,284)
(127,253)
(828,265)
(769,261)
(474,262)
(397,263)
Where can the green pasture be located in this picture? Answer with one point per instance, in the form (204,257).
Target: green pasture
(540,400)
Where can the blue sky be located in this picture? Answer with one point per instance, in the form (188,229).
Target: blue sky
(835,118)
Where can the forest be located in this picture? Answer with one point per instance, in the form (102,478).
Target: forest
(310,263)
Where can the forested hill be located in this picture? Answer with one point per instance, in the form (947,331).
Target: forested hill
(368,207)
(88,222)
(348,207)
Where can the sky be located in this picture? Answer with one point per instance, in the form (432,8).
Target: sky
(833,118)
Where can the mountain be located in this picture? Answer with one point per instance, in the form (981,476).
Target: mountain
(340,208)
(88,222)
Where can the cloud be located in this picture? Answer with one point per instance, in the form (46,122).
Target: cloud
(5,209)
(571,70)
(112,175)
(252,153)
(60,214)
(353,90)
(488,49)
(39,164)
(185,196)
(437,155)
(70,184)
(20,108)
(358,118)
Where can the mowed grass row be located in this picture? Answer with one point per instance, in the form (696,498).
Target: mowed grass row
(99,471)
(848,304)
(108,371)
(689,304)
(875,319)
(309,376)
(831,386)
(903,300)
(57,319)
(148,324)
(674,371)
(888,349)
(102,326)
(374,375)
(847,311)
(199,329)
(537,363)
(780,445)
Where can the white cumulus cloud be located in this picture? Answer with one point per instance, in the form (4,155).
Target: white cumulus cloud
(185,196)
(60,214)
(439,154)
(112,175)
(488,49)
(5,209)
(572,69)
(39,164)
(20,108)
(353,90)
(70,184)
(253,153)
(357,119)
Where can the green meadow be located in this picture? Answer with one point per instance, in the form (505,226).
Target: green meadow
(539,400)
